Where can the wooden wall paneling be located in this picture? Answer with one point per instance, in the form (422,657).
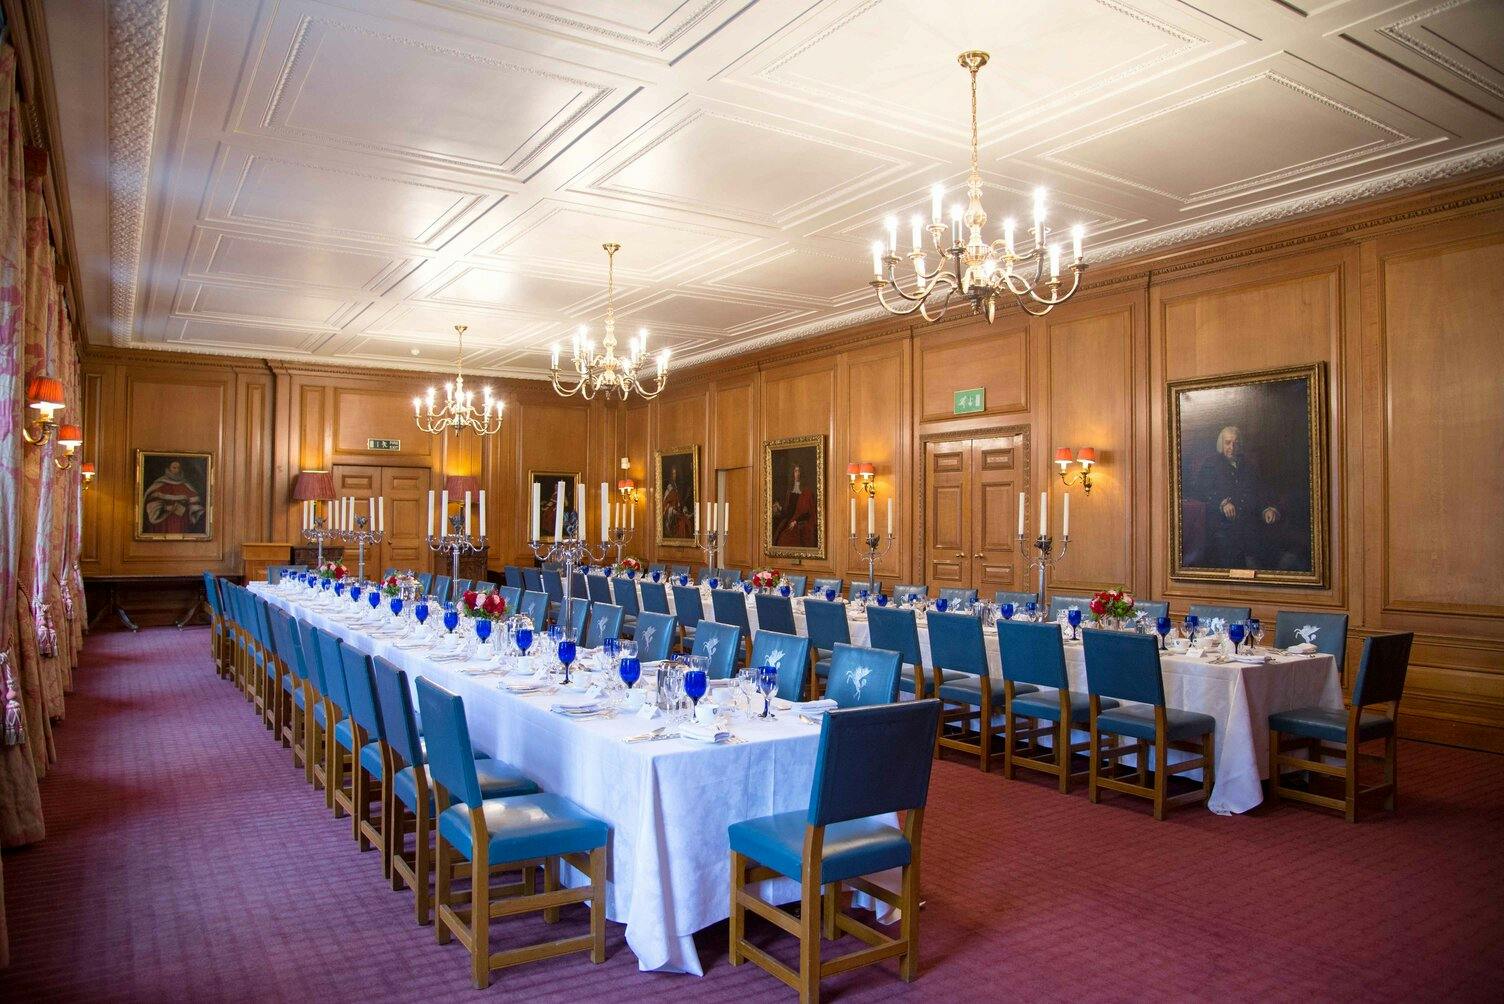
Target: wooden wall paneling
(733,450)
(96,500)
(253,400)
(877,429)
(634,439)
(682,418)
(799,399)
(949,361)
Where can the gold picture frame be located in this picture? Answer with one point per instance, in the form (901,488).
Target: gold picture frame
(675,495)
(1248,477)
(794,518)
(549,481)
(174,497)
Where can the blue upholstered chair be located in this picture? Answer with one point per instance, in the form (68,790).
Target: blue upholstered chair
(655,636)
(897,630)
(604,622)
(658,567)
(579,617)
(845,834)
(958,597)
(787,653)
(730,607)
(625,592)
(457,589)
(425,583)
(367,769)
(775,613)
(1033,657)
(1152,609)
(318,712)
(677,570)
(512,576)
(729,576)
(1015,597)
(441,587)
(822,586)
(904,590)
(1209,612)
(1060,604)
(969,692)
(862,676)
(504,834)
(1328,632)
(825,623)
(292,696)
(854,591)
(720,644)
(599,587)
(341,749)
(407,791)
(581,589)
(512,597)
(704,573)
(534,607)
(655,598)
(553,587)
(1340,735)
(797,584)
(532,580)
(689,611)
(218,625)
(1126,667)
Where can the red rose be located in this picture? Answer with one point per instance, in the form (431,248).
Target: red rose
(1098,607)
(339,573)
(494,604)
(470,598)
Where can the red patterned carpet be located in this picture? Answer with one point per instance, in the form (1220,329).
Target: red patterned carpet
(186,860)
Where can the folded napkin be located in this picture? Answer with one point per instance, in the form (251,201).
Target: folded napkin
(703,733)
(1304,648)
(815,707)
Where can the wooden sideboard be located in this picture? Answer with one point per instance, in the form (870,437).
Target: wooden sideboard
(255,557)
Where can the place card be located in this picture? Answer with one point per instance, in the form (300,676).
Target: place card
(647,712)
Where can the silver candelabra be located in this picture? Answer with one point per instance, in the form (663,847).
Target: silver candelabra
(318,533)
(569,552)
(710,542)
(871,550)
(454,543)
(1044,558)
(360,537)
(620,537)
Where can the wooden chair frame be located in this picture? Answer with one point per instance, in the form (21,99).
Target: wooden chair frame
(470,923)
(975,741)
(413,871)
(821,916)
(339,797)
(313,737)
(1055,759)
(1320,753)
(1158,792)
(368,832)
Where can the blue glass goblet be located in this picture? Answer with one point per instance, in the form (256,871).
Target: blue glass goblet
(610,646)
(767,685)
(524,639)
(566,656)
(420,610)
(373,597)
(1032,609)
(830,595)
(1164,626)
(483,629)
(862,594)
(683,580)
(695,682)
(630,670)
(882,599)
(747,587)
(942,604)
(1236,631)
(1007,611)
(451,618)
(355,592)
(339,589)
(1073,617)
(715,583)
(784,591)
(396,605)
(1192,622)
(631,574)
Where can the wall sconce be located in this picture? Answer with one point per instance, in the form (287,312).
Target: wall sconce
(626,487)
(87,470)
(45,394)
(70,438)
(1085,456)
(863,478)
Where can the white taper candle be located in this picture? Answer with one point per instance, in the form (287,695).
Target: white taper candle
(430,513)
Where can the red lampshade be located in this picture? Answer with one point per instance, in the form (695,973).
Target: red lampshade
(458,484)
(1086,455)
(70,436)
(853,469)
(87,469)
(625,485)
(45,392)
(867,470)
(313,486)
(1063,455)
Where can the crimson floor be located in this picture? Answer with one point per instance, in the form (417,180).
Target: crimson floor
(186,860)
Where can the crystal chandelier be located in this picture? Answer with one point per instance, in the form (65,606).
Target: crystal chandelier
(605,372)
(980,271)
(458,411)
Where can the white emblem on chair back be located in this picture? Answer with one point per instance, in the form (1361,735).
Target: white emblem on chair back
(858,679)
(1307,633)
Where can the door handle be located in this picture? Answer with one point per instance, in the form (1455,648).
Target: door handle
(979,555)
(960,555)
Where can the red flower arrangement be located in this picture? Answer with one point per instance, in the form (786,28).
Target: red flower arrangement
(1111,603)
(766,578)
(390,586)
(629,565)
(477,604)
(332,570)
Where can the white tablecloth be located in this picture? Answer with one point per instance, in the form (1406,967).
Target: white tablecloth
(668,803)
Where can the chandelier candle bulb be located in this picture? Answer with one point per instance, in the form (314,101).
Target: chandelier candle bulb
(892,224)
(937,196)
(877,259)
(1008,226)
(914,227)
(1078,233)
(955,225)
(1038,207)
(1054,262)
(482,508)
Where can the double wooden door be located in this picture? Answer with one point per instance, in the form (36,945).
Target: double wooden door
(406,492)
(971,513)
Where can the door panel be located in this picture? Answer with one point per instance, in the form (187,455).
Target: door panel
(406,491)
(948,519)
(996,464)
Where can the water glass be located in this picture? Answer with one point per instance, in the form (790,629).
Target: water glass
(1073,617)
(1235,632)
(1164,626)
(1006,612)
(1256,631)
(767,685)
(451,618)
(695,684)
(420,610)
(1192,622)
(630,670)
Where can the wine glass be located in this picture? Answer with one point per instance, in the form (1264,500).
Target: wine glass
(609,647)
(714,583)
(1073,617)
(767,685)
(784,591)
(451,618)
(1006,611)
(1235,632)
(630,669)
(566,655)
(747,586)
(354,592)
(1032,609)
(339,587)
(1164,626)
(942,604)
(695,682)
(683,579)
(483,629)
(396,606)
(1192,623)
(657,575)
(1256,631)
(830,595)
(373,596)
(882,599)
(420,610)
(524,638)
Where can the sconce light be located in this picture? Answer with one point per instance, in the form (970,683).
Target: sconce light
(626,487)
(45,394)
(1085,456)
(87,470)
(862,476)
(70,438)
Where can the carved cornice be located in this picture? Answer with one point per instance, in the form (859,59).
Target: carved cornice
(138,29)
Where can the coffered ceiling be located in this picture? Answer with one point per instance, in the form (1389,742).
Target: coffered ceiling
(345,180)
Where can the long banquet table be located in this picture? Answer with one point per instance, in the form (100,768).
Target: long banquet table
(1240,696)
(668,803)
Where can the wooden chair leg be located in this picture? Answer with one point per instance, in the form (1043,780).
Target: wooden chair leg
(1161,775)
(809,942)
(1350,779)
(829,906)
(1010,731)
(984,727)
(551,884)
(1273,765)
(1093,767)
(908,924)
(1209,771)
(737,920)
(1063,753)
(480,915)
(423,862)
(598,905)
(443,871)
(1391,765)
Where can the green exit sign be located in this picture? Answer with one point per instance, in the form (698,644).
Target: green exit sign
(387,445)
(969,402)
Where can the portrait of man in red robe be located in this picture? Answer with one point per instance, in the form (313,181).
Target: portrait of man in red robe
(174,500)
(794,498)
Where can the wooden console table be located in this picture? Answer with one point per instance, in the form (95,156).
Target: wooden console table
(114,583)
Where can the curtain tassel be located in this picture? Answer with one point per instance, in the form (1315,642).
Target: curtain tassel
(15,729)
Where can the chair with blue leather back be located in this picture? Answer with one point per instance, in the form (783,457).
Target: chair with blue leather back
(579,617)
(689,611)
(729,576)
(217,623)
(580,590)
(1060,604)
(299,734)
(786,653)
(250,661)
(904,590)
(775,613)
(624,592)
(512,576)
(862,676)
(269,683)
(532,580)
(366,768)
(658,567)
(958,597)
(720,644)
(797,584)
(1328,632)
(512,596)
(604,622)
(1329,735)
(441,588)
(599,587)
(341,748)
(1210,611)
(289,714)
(729,606)
(872,589)
(1152,609)
(845,834)
(408,792)
(1033,657)
(823,586)
(1125,666)
(553,586)
(655,636)
(504,834)
(1018,599)
(458,588)
(825,623)
(534,607)
(897,630)
(677,570)
(969,692)
(425,583)
(704,573)
(654,598)
(316,720)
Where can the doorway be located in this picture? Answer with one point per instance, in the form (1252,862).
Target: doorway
(406,492)
(970,518)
